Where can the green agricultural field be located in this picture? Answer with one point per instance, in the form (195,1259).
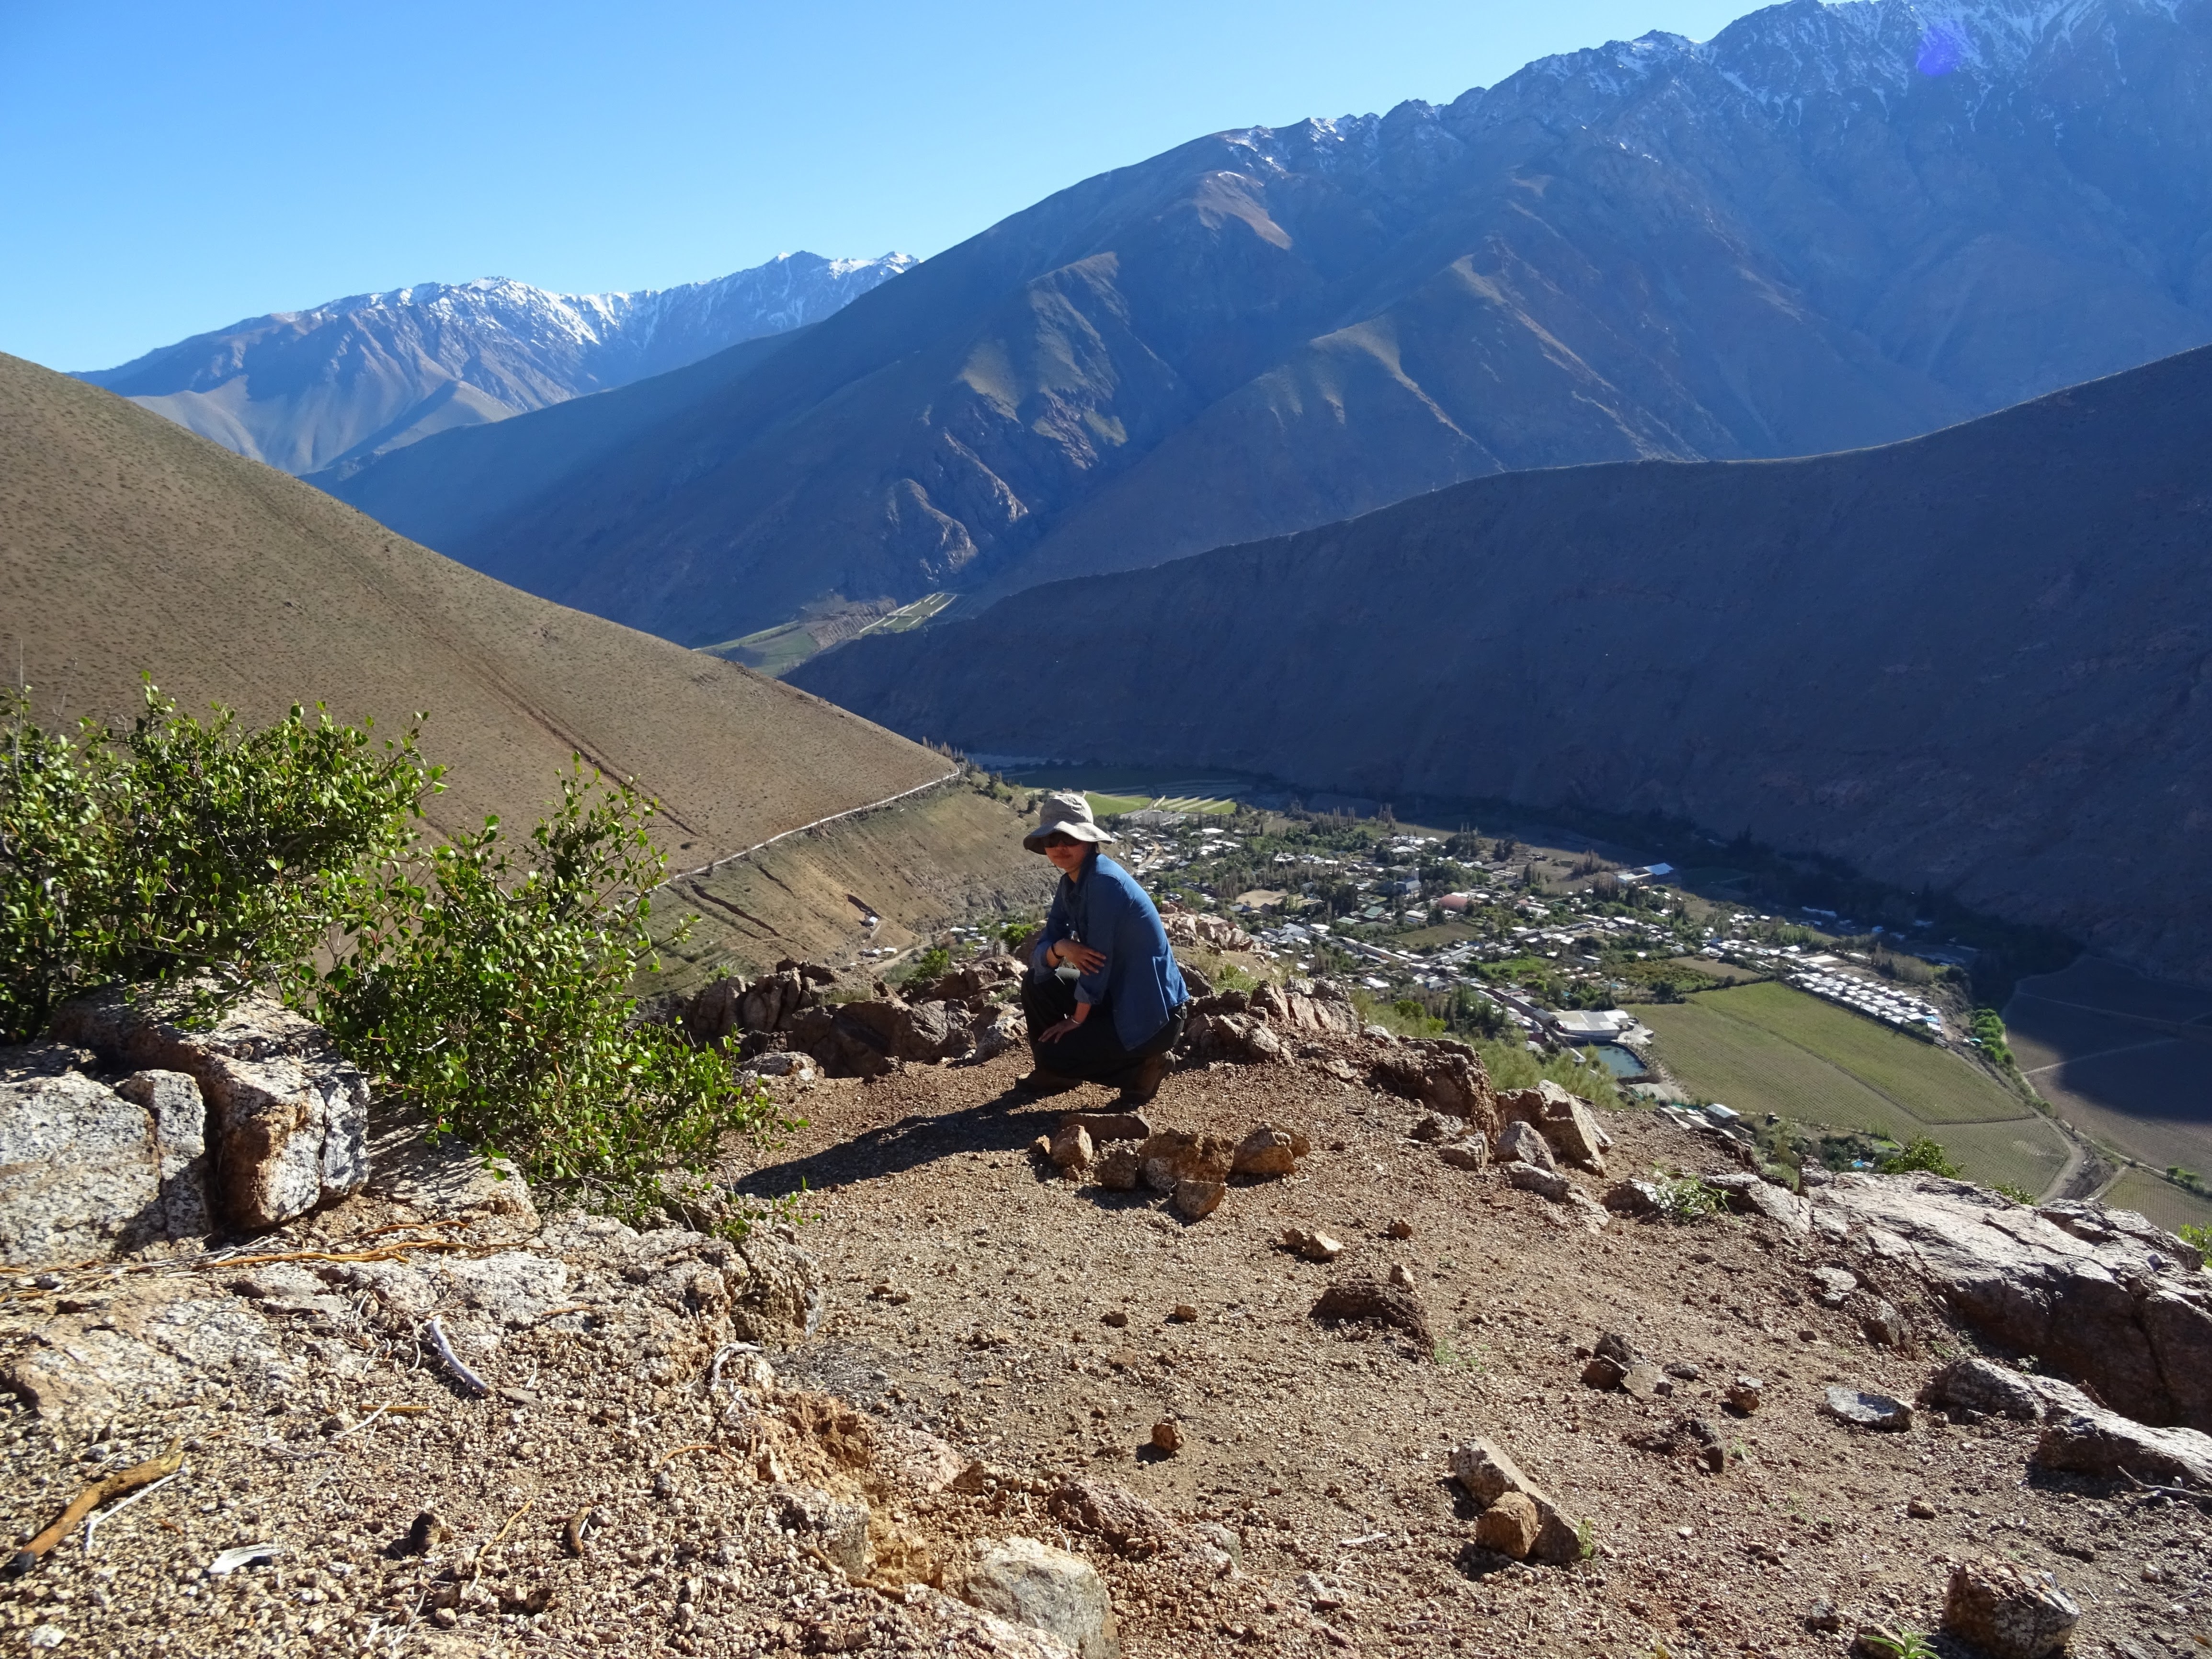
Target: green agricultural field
(1730,973)
(1105,806)
(773,652)
(1177,792)
(1933,1085)
(2167,1205)
(1770,1049)
(908,617)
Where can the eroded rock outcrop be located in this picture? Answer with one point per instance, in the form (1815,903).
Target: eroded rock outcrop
(1565,1120)
(1443,1074)
(287,1116)
(87,1170)
(1230,1037)
(2102,1295)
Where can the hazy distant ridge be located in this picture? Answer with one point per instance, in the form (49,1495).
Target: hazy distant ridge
(334,387)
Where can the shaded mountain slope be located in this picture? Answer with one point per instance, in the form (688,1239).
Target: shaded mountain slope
(1829,227)
(128,544)
(1979,659)
(335,386)
(482,476)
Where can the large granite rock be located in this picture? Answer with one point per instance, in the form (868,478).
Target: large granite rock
(1564,1120)
(665,1303)
(2079,1436)
(1049,1589)
(87,1170)
(157,1342)
(287,1115)
(2102,1295)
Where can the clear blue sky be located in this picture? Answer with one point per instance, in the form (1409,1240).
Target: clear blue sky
(171,168)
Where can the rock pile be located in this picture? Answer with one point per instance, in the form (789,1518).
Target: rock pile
(1193,1170)
(961,1015)
(1238,1027)
(1190,929)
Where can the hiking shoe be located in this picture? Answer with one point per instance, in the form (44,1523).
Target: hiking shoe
(1041,1082)
(1142,1084)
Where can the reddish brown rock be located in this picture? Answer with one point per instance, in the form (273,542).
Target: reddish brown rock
(1511,1526)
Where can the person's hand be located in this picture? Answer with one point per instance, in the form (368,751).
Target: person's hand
(1065,1028)
(1085,960)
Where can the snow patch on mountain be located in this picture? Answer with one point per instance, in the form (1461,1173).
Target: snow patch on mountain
(344,382)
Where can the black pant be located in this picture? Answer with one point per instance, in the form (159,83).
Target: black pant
(1092,1051)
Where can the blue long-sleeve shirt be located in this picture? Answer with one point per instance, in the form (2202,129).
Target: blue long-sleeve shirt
(1139,983)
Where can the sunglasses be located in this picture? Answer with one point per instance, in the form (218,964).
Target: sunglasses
(1057,839)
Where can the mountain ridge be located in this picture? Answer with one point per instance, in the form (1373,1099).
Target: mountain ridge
(1971,659)
(1829,227)
(332,387)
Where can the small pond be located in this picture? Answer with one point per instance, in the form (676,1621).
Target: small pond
(1621,1063)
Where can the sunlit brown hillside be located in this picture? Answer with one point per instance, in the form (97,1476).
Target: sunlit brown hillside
(129,545)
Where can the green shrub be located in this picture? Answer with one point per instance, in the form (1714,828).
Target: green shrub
(179,848)
(1228,976)
(488,985)
(1924,1153)
(2201,1237)
(1990,1032)
(931,964)
(1684,1200)
(1510,1066)
(1900,1644)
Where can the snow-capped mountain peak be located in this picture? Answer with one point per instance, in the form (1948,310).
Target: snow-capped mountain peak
(353,378)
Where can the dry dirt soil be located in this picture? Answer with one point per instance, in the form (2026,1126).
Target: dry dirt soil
(1032,1323)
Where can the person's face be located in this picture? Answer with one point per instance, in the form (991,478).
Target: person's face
(1065,853)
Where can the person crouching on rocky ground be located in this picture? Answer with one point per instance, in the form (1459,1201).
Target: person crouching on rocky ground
(1105,1000)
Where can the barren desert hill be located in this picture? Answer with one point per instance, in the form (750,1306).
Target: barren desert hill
(129,545)
(1973,660)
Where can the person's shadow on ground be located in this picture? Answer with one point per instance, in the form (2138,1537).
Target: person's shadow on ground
(1006,1123)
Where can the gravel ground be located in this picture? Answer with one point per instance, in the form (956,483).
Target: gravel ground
(1032,1323)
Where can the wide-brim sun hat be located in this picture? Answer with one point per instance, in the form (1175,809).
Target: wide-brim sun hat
(1064,814)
